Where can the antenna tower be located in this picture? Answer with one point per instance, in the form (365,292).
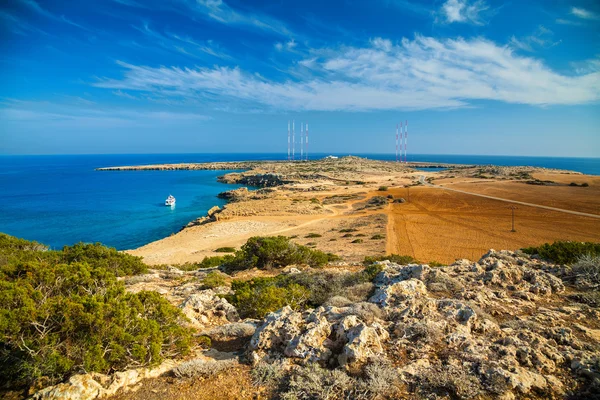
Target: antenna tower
(306,142)
(301,141)
(405,140)
(293,139)
(288,140)
(396,142)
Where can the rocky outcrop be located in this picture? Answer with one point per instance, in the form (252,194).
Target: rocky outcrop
(95,385)
(212,215)
(496,327)
(255,179)
(205,308)
(330,335)
(243,194)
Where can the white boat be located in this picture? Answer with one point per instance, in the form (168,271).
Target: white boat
(170,201)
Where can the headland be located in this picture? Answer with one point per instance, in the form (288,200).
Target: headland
(354,206)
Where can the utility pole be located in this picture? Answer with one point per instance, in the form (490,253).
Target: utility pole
(513,208)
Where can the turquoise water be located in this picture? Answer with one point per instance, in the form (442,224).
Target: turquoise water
(61,200)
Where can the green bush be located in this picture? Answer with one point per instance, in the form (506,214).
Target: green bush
(225,250)
(564,252)
(357,241)
(214,279)
(395,258)
(348,230)
(64,312)
(313,235)
(383,188)
(216,261)
(274,252)
(377,237)
(259,296)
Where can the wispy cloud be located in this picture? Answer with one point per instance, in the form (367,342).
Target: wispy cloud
(541,37)
(464,11)
(563,21)
(583,13)
(424,73)
(17,25)
(35,7)
(73,114)
(181,43)
(218,11)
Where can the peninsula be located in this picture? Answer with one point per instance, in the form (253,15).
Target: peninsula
(355,206)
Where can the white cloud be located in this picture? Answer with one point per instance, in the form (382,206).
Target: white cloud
(424,73)
(464,11)
(289,45)
(583,13)
(541,37)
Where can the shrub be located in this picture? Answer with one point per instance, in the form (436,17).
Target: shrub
(202,368)
(377,237)
(214,279)
(451,380)
(587,270)
(361,291)
(274,252)
(346,230)
(383,188)
(313,235)
(347,235)
(216,261)
(225,250)
(268,374)
(315,382)
(338,301)
(435,264)
(564,252)
(259,296)
(395,258)
(65,312)
(357,241)
(390,196)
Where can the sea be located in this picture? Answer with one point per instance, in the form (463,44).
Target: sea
(60,200)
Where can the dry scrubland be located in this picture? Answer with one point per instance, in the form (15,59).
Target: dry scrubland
(323,198)
(282,319)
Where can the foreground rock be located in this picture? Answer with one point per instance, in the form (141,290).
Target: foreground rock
(496,328)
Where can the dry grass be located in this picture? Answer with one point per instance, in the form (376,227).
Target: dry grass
(441,225)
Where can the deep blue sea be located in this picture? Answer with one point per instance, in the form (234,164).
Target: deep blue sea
(61,200)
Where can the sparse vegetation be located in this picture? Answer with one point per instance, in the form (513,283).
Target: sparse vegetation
(216,261)
(383,188)
(347,230)
(395,258)
(357,241)
(377,237)
(564,252)
(202,368)
(585,184)
(214,279)
(313,235)
(225,250)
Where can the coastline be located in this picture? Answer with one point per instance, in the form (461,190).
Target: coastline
(315,202)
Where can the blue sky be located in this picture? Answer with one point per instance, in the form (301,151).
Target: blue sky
(170,76)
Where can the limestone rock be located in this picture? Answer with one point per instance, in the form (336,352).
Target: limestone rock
(206,308)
